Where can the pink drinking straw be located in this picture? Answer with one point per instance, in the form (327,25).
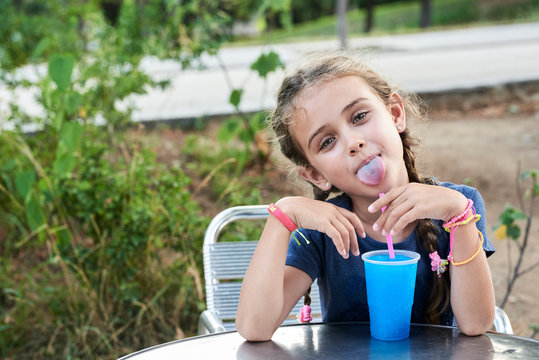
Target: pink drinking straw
(388,238)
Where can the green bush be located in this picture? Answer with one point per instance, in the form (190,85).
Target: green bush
(110,249)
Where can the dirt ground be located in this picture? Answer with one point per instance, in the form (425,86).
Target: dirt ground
(497,131)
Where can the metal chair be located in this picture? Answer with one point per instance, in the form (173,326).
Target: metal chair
(225,264)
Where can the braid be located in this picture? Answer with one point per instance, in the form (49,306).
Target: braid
(438,300)
(307,297)
(427,231)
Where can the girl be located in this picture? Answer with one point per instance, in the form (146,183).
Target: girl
(345,129)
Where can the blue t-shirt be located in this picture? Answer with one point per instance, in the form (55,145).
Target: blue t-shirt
(342,281)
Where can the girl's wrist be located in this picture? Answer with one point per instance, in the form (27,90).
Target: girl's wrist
(285,205)
(458,209)
(276,212)
(467,244)
(287,223)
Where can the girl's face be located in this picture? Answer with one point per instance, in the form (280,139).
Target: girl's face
(350,137)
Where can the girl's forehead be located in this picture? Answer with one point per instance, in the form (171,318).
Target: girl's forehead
(351,84)
(333,92)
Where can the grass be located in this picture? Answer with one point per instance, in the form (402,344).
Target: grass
(405,17)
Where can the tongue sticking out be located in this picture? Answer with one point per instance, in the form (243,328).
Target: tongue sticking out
(372,173)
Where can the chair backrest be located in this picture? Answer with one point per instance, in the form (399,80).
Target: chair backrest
(225,264)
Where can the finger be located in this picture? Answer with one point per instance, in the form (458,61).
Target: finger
(344,231)
(381,223)
(355,228)
(352,236)
(394,215)
(336,237)
(386,199)
(410,216)
(355,221)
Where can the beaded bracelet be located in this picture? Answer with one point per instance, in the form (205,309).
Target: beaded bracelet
(287,222)
(469,219)
(469,206)
(440,265)
(453,227)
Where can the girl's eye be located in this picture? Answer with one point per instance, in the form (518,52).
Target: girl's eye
(326,143)
(358,117)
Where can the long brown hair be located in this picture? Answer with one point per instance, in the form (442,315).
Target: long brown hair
(330,67)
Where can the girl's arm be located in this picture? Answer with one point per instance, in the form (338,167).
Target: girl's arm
(270,289)
(472,291)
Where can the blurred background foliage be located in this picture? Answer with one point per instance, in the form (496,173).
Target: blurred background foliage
(100,242)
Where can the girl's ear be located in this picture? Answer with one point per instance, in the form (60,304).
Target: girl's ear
(396,107)
(312,175)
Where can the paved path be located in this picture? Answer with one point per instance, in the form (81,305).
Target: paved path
(423,62)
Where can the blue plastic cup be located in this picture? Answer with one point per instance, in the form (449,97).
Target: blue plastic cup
(390,292)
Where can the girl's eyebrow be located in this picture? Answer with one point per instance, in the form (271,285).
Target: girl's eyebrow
(318,131)
(352,103)
(344,110)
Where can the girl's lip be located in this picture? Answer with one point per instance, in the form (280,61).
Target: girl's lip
(366,161)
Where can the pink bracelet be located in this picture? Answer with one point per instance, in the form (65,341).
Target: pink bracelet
(281,216)
(469,207)
(468,215)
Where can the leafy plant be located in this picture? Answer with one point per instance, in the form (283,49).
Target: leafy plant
(117,239)
(216,165)
(247,128)
(509,227)
(98,240)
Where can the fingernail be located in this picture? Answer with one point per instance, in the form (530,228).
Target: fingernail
(392,232)
(370,208)
(364,235)
(375,227)
(356,252)
(383,232)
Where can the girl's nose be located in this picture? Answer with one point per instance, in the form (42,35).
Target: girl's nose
(354,146)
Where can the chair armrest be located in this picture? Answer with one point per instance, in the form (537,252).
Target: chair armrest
(502,324)
(209,323)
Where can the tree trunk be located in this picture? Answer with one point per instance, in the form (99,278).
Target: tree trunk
(425,13)
(342,5)
(369,16)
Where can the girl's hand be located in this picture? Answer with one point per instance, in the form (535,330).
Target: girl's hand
(338,223)
(414,201)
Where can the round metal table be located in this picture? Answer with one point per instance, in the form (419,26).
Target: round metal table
(346,341)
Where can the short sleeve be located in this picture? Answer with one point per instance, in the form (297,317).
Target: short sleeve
(306,256)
